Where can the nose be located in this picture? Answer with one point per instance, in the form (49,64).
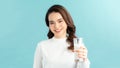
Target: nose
(56,25)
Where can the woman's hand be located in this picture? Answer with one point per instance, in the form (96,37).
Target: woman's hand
(82,52)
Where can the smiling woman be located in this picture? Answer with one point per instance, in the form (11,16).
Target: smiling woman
(57,25)
(58,51)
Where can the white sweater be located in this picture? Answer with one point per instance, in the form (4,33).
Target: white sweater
(53,53)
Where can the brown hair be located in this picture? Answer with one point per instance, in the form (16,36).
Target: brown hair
(68,19)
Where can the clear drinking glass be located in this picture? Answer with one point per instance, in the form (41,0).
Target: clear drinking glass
(77,44)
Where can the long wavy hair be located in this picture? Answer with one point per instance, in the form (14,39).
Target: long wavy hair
(68,19)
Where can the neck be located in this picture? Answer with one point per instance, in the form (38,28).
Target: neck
(60,37)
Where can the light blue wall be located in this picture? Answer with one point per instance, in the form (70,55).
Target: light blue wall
(22,26)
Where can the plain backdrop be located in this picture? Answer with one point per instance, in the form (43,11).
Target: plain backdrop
(22,26)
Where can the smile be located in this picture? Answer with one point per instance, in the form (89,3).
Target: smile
(58,30)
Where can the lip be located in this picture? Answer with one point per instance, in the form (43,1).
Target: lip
(58,30)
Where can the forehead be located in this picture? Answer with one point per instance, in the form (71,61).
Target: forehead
(54,16)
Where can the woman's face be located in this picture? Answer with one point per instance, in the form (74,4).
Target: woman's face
(57,25)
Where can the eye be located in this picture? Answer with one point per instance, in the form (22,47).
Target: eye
(60,21)
(51,23)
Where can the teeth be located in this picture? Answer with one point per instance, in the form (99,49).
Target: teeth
(57,30)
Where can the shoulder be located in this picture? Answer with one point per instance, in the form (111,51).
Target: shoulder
(43,43)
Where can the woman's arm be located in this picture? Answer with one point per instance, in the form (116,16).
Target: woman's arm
(82,54)
(84,64)
(38,57)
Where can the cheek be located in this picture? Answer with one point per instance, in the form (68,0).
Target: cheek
(65,26)
(51,28)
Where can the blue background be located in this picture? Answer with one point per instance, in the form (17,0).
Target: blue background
(22,26)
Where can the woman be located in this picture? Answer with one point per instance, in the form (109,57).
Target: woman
(58,51)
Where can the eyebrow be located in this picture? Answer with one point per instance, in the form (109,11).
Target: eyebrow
(57,20)
(60,19)
(51,21)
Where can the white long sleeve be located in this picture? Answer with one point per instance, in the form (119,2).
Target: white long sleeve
(38,58)
(85,64)
(53,53)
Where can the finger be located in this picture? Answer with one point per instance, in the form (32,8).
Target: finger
(83,47)
(81,50)
(82,56)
